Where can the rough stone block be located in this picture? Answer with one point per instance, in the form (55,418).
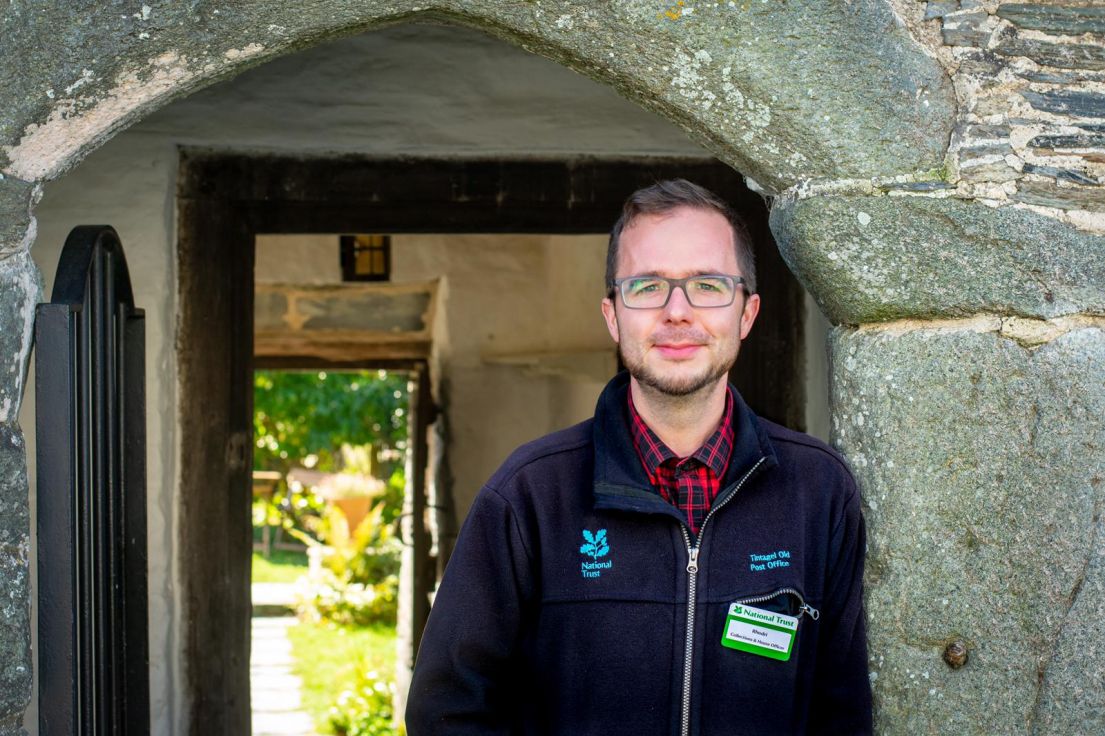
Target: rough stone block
(940,8)
(917,186)
(967,29)
(974,152)
(1049,194)
(12,730)
(21,287)
(1055,142)
(981,64)
(17,197)
(869,259)
(1055,77)
(1068,102)
(1073,694)
(1043,77)
(982,170)
(981,464)
(1075,177)
(996,103)
(1070,21)
(15,604)
(1063,55)
(986,132)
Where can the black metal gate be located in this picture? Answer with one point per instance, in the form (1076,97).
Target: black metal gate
(91,434)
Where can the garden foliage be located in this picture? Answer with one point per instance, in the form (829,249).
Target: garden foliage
(300,414)
(359,581)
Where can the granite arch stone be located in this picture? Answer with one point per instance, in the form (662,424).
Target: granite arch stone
(982,463)
(878,258)
(758,84)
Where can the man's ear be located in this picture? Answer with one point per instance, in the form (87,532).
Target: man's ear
(610,316)
(748,315)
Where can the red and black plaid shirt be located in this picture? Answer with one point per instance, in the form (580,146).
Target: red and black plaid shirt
(692,483)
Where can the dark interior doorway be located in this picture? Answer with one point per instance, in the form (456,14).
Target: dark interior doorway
(225,201)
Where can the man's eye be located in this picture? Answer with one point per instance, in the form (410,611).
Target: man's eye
(708,286)
(644,287)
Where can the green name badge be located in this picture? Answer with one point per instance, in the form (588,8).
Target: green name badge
(761,632)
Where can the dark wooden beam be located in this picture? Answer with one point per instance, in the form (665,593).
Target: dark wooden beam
(215,339)
(292,195)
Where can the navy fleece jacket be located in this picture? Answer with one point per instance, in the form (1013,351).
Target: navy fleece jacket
(564,608)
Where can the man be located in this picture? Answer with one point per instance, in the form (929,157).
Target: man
(674,565)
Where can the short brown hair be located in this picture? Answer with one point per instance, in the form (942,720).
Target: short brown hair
(668,195)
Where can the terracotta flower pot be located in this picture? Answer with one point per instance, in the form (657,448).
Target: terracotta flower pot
(355,509)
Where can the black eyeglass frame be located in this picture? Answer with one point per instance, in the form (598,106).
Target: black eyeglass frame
(673,284)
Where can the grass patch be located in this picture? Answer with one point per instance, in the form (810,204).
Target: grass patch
(328,658)
(284,566)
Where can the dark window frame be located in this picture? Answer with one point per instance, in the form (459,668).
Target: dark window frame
(350,248)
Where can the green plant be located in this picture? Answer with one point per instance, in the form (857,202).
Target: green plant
(360,580)
(300,414)
(366,708)
(349,421)
(266,512)
(352,604)
(291,506)
(366,555)
(331,659)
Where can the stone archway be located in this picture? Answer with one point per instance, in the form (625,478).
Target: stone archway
(967,375)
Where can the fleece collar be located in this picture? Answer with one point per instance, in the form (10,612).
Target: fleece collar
(620,481)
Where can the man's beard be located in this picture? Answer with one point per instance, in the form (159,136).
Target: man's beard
(675,386)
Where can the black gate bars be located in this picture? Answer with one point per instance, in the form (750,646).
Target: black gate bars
(91,495)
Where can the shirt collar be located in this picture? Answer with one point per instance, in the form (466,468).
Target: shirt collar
(714,452)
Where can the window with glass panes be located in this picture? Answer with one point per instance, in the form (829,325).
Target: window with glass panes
(365,257)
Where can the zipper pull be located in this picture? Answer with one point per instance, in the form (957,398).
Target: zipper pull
(809,611)
(692,564)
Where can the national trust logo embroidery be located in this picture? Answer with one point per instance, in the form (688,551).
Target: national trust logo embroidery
(595,546)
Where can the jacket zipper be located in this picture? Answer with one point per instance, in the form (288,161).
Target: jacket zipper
(805,608)
(692,599)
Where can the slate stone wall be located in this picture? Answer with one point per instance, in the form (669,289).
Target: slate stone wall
(938,169)
(966,390)
(1032,77)
(966,386)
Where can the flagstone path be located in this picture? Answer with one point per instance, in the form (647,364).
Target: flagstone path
(274,690)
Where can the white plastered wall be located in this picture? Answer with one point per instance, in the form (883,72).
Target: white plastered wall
(417,90)
(518,338)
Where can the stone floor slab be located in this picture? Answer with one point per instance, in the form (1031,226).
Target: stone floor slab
(274,689)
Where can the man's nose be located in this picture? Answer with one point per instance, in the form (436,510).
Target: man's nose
(678,308)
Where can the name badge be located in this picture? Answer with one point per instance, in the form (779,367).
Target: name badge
(759,632)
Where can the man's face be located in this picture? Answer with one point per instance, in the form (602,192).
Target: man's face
(679,349)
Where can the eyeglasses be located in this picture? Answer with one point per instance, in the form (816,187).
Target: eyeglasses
(653,292)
